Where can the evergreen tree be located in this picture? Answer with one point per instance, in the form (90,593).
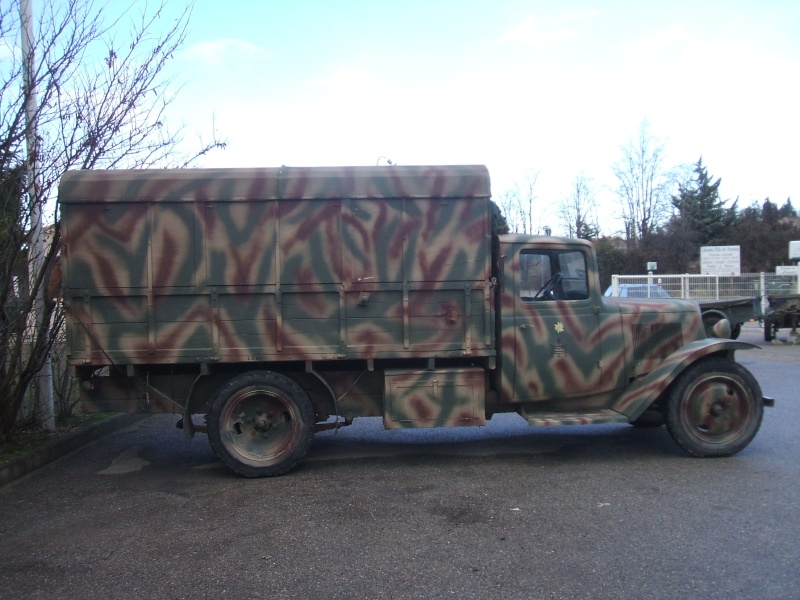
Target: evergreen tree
(700,211)
(763,235)
(770,213)
(499,222)
(787,210)
(611,260)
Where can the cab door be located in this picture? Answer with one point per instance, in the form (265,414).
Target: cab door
(554,317)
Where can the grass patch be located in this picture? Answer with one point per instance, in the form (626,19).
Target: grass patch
(27,439)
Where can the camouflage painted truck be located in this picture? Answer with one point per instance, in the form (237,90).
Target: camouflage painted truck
(276,303)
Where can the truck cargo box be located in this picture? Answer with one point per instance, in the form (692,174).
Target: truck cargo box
(259,265)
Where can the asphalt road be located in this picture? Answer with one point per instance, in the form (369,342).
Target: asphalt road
(504,511)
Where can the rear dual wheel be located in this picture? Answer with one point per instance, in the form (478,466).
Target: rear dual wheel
(261,424)
(715,408)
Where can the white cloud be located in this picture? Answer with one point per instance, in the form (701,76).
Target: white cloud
(672,36)
(342,77)
(560,121)
(536,30)
(221,51)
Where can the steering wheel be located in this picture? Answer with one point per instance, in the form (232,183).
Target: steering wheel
(547,289)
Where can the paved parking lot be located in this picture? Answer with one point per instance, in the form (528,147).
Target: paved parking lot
(505,511)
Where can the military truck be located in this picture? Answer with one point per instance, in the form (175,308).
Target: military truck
(273,303)
(737,311)
(783,312)
(783,302)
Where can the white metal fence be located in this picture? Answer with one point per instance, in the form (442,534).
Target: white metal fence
(711,287)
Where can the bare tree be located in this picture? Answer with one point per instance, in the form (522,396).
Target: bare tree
(644,185)
(509,203)
(578,211)
(518,204)
(102,98)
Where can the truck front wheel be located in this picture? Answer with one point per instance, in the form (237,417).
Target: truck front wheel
(261,424)
(715,408)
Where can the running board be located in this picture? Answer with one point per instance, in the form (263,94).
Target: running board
(593,418)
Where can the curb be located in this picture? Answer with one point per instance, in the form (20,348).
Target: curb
(27,463)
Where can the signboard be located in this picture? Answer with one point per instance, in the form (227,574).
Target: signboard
(785,270)
(720,260)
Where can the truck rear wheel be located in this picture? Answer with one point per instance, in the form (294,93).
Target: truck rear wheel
(715,408)
(769,330)
(261,424)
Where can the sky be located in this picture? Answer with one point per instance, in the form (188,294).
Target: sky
(553,88)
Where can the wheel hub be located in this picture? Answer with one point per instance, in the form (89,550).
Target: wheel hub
(717,409)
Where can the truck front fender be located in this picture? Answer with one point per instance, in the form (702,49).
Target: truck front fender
(642,392)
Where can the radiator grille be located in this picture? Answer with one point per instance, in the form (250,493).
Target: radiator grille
(656,340)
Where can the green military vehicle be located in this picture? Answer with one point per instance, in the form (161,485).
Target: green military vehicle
(280,302)
(783,312)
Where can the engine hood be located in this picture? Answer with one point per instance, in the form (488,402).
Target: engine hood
(628,306)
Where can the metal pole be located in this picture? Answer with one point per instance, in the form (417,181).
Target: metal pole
(38,247)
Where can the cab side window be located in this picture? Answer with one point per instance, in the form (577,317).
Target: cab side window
(547,275)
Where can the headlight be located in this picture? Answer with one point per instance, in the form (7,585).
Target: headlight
(721,329)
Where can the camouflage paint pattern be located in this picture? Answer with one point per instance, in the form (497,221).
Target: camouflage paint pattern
(166,267)
(571,360)
(441,398)
(377,289)
(638,396)
(233,267)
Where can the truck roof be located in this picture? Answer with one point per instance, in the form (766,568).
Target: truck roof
(283,183)
(542,241)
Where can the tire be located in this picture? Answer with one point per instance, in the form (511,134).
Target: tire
(714,408)
(769,331)
(261,424)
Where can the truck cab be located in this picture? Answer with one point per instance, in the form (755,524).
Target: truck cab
(568,354)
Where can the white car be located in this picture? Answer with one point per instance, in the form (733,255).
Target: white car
(639,290)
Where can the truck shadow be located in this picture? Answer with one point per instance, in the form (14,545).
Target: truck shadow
(600,443)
